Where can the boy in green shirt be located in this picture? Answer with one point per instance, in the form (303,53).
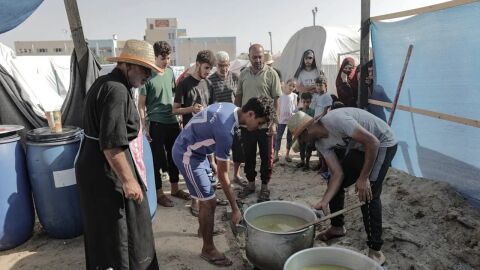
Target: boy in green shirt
(161,125)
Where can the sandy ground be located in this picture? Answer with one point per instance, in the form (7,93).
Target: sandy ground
(427,225)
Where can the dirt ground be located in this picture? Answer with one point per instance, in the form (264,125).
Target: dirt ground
(427,225)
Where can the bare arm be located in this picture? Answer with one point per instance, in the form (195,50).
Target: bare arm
(223,168)
(177,109)
(371,146)
(335,181)
(118,162)
(141,109)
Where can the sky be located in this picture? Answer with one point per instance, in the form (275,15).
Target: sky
(248,20)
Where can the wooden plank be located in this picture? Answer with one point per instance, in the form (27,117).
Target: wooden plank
(362,95)
(81,48)
(400,83)
(438,115)
(421,10)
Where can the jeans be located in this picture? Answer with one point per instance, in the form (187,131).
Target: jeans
(278,139)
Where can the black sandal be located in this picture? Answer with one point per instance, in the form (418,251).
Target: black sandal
(264,195)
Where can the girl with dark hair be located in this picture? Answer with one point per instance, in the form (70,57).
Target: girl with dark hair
(307,72)
(347,83)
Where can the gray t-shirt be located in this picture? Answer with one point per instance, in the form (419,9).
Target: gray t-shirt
(341,123)
(307,78)
(320,102)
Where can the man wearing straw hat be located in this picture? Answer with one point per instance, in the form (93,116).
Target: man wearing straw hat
(116,217)
(358,148)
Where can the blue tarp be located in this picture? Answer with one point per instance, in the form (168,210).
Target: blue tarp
(442,76)
(14,12)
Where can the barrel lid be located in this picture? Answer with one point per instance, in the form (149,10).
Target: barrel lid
(9,130)
(45,134)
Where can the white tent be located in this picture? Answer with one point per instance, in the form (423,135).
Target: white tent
(330,44)
(44,80)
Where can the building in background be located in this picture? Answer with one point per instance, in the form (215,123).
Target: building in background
(102,48)
(185,49)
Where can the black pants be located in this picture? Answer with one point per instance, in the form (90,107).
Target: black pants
(372,212)
(250,140)
(163,137)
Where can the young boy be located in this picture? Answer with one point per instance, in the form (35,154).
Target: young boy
(211,131)
(287,107)
(305,149)
(321,101)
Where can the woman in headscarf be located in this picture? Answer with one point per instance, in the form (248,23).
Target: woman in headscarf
(347,83)
(307,72)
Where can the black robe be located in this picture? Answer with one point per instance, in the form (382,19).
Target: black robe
(118,231)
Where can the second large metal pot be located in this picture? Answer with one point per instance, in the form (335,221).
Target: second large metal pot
(269,250)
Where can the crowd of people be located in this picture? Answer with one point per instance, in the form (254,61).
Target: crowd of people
(196,124)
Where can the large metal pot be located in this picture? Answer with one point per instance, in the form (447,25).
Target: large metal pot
(269,250)
(331,256)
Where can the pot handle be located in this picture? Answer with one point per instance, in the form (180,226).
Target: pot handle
(238,229)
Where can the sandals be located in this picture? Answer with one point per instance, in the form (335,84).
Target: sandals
(222,202)
(220,262)
(182,195)
(240,181)
(245,192)
(194,211)
(264,195)
(164,201)
(329,235)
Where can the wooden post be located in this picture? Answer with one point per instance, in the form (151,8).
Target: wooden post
(81,48)
(362,100)
(400,83)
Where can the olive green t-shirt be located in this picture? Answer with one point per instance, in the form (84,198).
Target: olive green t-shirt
(159,92)
(264,83)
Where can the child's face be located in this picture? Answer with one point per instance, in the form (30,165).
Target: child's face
(320,88)
(306,103)
(291,86)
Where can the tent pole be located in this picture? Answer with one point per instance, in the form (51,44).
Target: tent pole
(362,100)
(81,49)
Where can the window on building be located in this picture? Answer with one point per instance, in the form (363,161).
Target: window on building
(29,50)
(174,62)
(42,50)
(58,50)
(171,35)
(173,48)
(151,26)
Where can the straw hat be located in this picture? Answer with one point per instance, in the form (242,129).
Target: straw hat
(137,52)
(297,124)
(268,58)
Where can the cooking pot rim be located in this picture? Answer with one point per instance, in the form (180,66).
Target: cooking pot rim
(277,201)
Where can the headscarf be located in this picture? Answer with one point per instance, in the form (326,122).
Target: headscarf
(302,63)
(347,93)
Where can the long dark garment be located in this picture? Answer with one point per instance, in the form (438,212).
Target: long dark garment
(118,232)
(372,212)
(250,140)
(163,138)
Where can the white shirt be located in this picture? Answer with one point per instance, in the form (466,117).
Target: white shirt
(287,107)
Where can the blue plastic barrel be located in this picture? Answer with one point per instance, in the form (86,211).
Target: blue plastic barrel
(50,163)
(16,206)
(151,190)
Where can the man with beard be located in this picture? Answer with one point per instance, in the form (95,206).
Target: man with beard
(256,81)
(116,218)
(192,96)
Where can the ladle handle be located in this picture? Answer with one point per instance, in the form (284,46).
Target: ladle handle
(327,217)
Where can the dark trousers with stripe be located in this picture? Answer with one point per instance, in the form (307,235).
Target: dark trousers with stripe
(250,139)
(372,212)
(163,137)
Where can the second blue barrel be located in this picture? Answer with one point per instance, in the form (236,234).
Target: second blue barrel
(16,206)
(50,162)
